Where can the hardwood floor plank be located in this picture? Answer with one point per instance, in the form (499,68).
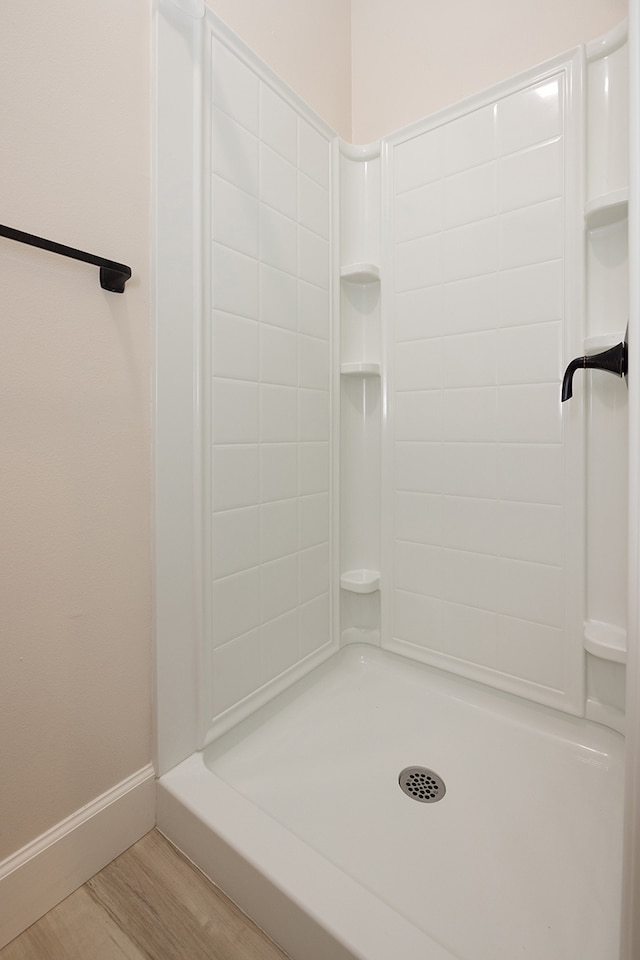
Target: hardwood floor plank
(151,903)
(77,929)
(164,903)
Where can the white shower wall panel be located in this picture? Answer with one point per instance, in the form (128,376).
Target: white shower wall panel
(483,489)
(267,383)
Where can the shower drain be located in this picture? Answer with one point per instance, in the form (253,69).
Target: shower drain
(422,784)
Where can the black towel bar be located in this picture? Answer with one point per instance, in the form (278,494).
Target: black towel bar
(113,276)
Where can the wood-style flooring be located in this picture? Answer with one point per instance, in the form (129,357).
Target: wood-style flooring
(151,903)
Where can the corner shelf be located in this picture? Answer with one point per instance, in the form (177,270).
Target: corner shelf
(361,273)
(602,342)
(605,641)
(607,209)
(361,391)
(360,581)
(360,369)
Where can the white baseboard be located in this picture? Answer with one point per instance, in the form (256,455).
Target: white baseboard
(48,869)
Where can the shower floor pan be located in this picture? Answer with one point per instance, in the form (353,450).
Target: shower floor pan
(298,815)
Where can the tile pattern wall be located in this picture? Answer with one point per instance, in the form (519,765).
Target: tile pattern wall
(270,231)
(478,309)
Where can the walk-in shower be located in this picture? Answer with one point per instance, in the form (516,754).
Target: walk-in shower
(392,564)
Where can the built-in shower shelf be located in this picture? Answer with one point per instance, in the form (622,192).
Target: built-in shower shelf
(607,209)
(606,641)
(360,581)
(602,342)
(360,369)
(360,273)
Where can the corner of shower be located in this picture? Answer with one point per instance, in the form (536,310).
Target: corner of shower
(282,485)
(361,392)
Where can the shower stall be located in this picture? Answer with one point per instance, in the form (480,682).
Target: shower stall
(396,576)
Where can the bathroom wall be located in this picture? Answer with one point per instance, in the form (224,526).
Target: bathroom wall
(305,42)
(75,581)
(487,516)
(411,58)
(76,361)
(269,330)
(370,67)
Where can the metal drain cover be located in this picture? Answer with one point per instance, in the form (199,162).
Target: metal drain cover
(422,784)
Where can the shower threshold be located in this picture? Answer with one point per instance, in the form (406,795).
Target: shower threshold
(298,815)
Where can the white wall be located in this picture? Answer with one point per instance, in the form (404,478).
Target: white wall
(487,507)
(270,368)
(75,573)
(307,43)
(370,67)
(411,58)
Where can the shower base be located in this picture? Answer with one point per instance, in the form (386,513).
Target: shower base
(297,814)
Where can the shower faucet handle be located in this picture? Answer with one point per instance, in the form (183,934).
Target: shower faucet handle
(615,360)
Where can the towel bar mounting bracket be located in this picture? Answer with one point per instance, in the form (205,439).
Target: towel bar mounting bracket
(113,276)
